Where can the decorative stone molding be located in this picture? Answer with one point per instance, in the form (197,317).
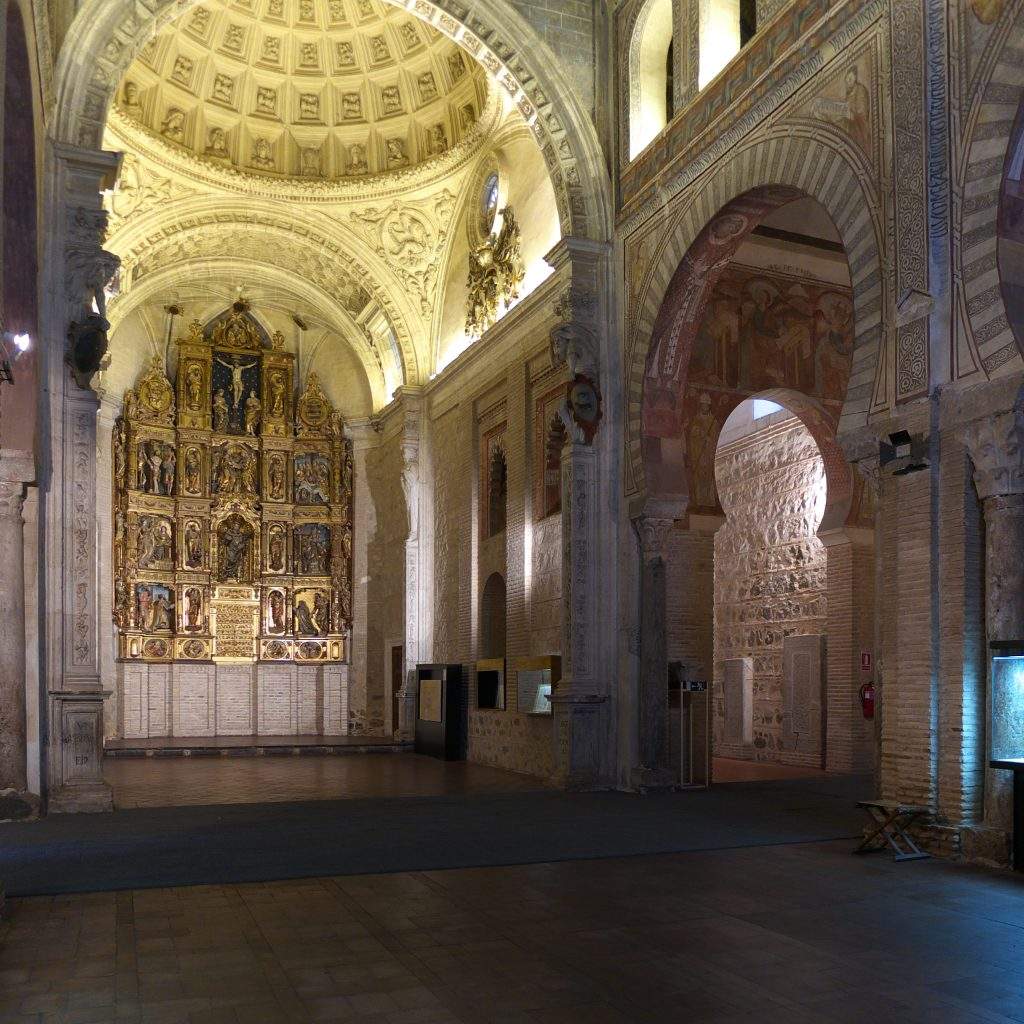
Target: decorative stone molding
(575,339)
(996,447)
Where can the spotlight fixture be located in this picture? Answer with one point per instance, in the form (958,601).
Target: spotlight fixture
(904,453)
(13,347)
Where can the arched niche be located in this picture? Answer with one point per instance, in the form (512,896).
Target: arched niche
(20,253)
(493,617)
(649,73)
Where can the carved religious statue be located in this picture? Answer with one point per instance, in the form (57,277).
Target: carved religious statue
(495,273)
(234,546)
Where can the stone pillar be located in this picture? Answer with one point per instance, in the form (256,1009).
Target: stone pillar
(653,771)
(996,446)
(16,470)
(364,438)
(412,411)
(849,554)
(76,268)
(582,728)
(577,698)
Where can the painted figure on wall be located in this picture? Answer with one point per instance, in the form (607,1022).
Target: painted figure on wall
(702,439)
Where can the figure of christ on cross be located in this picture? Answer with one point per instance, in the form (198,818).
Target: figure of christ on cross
(237,383)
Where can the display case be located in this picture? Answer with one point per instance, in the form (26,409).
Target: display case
(535,680)
(1006,725)
(440,712)
(490,684)
(1006,728)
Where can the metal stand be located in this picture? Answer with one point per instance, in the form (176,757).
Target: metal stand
(892,820)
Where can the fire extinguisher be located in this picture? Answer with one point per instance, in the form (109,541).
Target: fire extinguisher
(867,700)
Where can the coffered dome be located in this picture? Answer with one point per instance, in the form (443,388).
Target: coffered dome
(304,88)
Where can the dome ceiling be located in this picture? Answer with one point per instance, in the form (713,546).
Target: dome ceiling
(304,88)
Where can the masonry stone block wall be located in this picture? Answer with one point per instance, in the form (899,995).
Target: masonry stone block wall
(478,397)
(770,573)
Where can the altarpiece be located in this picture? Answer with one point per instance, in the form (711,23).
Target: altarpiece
(232,506)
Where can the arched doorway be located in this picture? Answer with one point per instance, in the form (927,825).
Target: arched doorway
(770,593)
(274,143)
(19,691)
(761,306)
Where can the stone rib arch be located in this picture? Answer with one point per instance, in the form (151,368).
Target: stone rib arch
(782,167)
(293,249)
(326,239)
(977,194)
(106,35)
(233,270)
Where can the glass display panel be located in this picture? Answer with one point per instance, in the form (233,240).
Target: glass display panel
(535,691)
(1007,727)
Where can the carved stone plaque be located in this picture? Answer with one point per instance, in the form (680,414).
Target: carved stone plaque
(803,693)
(738,687)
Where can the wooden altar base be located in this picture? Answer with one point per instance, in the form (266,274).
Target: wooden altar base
(252,746)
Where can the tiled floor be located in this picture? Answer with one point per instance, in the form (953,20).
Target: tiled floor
(799,934)
(174,781)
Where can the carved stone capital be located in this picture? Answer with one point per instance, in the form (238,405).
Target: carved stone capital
(654,534)
(16,470)
(996,447)
(12,497)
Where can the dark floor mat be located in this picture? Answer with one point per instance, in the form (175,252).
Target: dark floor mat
(256,842)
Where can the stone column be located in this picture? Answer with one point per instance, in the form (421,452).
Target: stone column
(576,700)
(364,438)
(76,268)
(654,771)
(996,446)
(16,469)
(412,410)
(583,730)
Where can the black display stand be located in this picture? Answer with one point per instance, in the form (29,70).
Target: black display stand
(1016,765)
(440,725)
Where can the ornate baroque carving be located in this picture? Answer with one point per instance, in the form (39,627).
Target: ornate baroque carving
(495,273)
